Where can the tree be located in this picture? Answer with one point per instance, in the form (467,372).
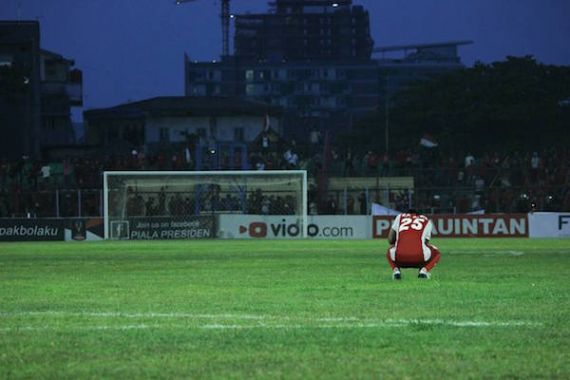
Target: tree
(516,103)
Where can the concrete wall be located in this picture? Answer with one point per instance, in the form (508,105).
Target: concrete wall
(222,129)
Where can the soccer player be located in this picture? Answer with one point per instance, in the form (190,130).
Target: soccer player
(409,245)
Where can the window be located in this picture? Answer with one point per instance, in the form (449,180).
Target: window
(163,135)
(198,90)
(200,74)
(254,89)
(49,123)
(238,134)
(213,124)
(6,60)
(213,75)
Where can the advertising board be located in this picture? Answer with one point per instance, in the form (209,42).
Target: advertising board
(549,224)
(83,229)
(232,226)
(289,227)
(31,229)
(163,228)
(51,229)
(462,225)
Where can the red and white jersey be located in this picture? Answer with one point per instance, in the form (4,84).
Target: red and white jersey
(412,231)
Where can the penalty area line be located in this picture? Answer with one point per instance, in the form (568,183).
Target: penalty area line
(342,321)
(105,314)
(399,323)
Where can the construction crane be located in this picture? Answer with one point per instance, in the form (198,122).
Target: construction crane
(225,17)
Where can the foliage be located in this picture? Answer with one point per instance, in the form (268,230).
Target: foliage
(514,103)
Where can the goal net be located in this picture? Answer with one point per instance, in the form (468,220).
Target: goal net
(198,205)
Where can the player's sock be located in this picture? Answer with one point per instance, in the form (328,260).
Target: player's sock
(423,273)
(396,274)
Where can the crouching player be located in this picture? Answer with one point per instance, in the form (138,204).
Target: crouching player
(409,245)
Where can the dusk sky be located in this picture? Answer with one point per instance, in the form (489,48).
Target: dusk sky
(134,49)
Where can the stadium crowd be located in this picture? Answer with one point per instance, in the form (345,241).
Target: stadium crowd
(443,181)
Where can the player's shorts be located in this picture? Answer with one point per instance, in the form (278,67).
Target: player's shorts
(411,258)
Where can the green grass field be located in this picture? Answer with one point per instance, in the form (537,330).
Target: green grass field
(283,309)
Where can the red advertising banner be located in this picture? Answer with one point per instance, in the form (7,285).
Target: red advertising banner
(463,225)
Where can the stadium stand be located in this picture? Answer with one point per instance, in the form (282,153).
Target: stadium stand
(442,182)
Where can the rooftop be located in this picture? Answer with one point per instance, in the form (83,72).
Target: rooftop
(186,106)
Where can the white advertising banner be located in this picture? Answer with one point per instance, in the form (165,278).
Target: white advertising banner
(549,224)
(288,227)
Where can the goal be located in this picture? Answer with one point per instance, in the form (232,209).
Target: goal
(152,205)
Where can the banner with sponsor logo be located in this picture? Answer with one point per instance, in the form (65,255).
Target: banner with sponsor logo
(535,225)
(68,229)
(549,224)
(461,225)
(339,227)
(31,229)
(83,229)
(163,228)
(289,227)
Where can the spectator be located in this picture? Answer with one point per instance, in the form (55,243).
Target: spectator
(363,201)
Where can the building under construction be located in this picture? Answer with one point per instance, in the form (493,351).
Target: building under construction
(314,58)
(297,30)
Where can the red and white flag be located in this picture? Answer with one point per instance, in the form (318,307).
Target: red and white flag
(266,123)
(428,141)
(187,155)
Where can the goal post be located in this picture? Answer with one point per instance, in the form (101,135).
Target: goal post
(190,204)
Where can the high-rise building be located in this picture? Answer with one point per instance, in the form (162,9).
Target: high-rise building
(20,101)
(37,90)
(314,59)
(300,30)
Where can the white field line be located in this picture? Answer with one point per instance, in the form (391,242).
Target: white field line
(491,253)
(261,326)
(462,323)
(338,319)
(73,328)
(132,315)
(290,322)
